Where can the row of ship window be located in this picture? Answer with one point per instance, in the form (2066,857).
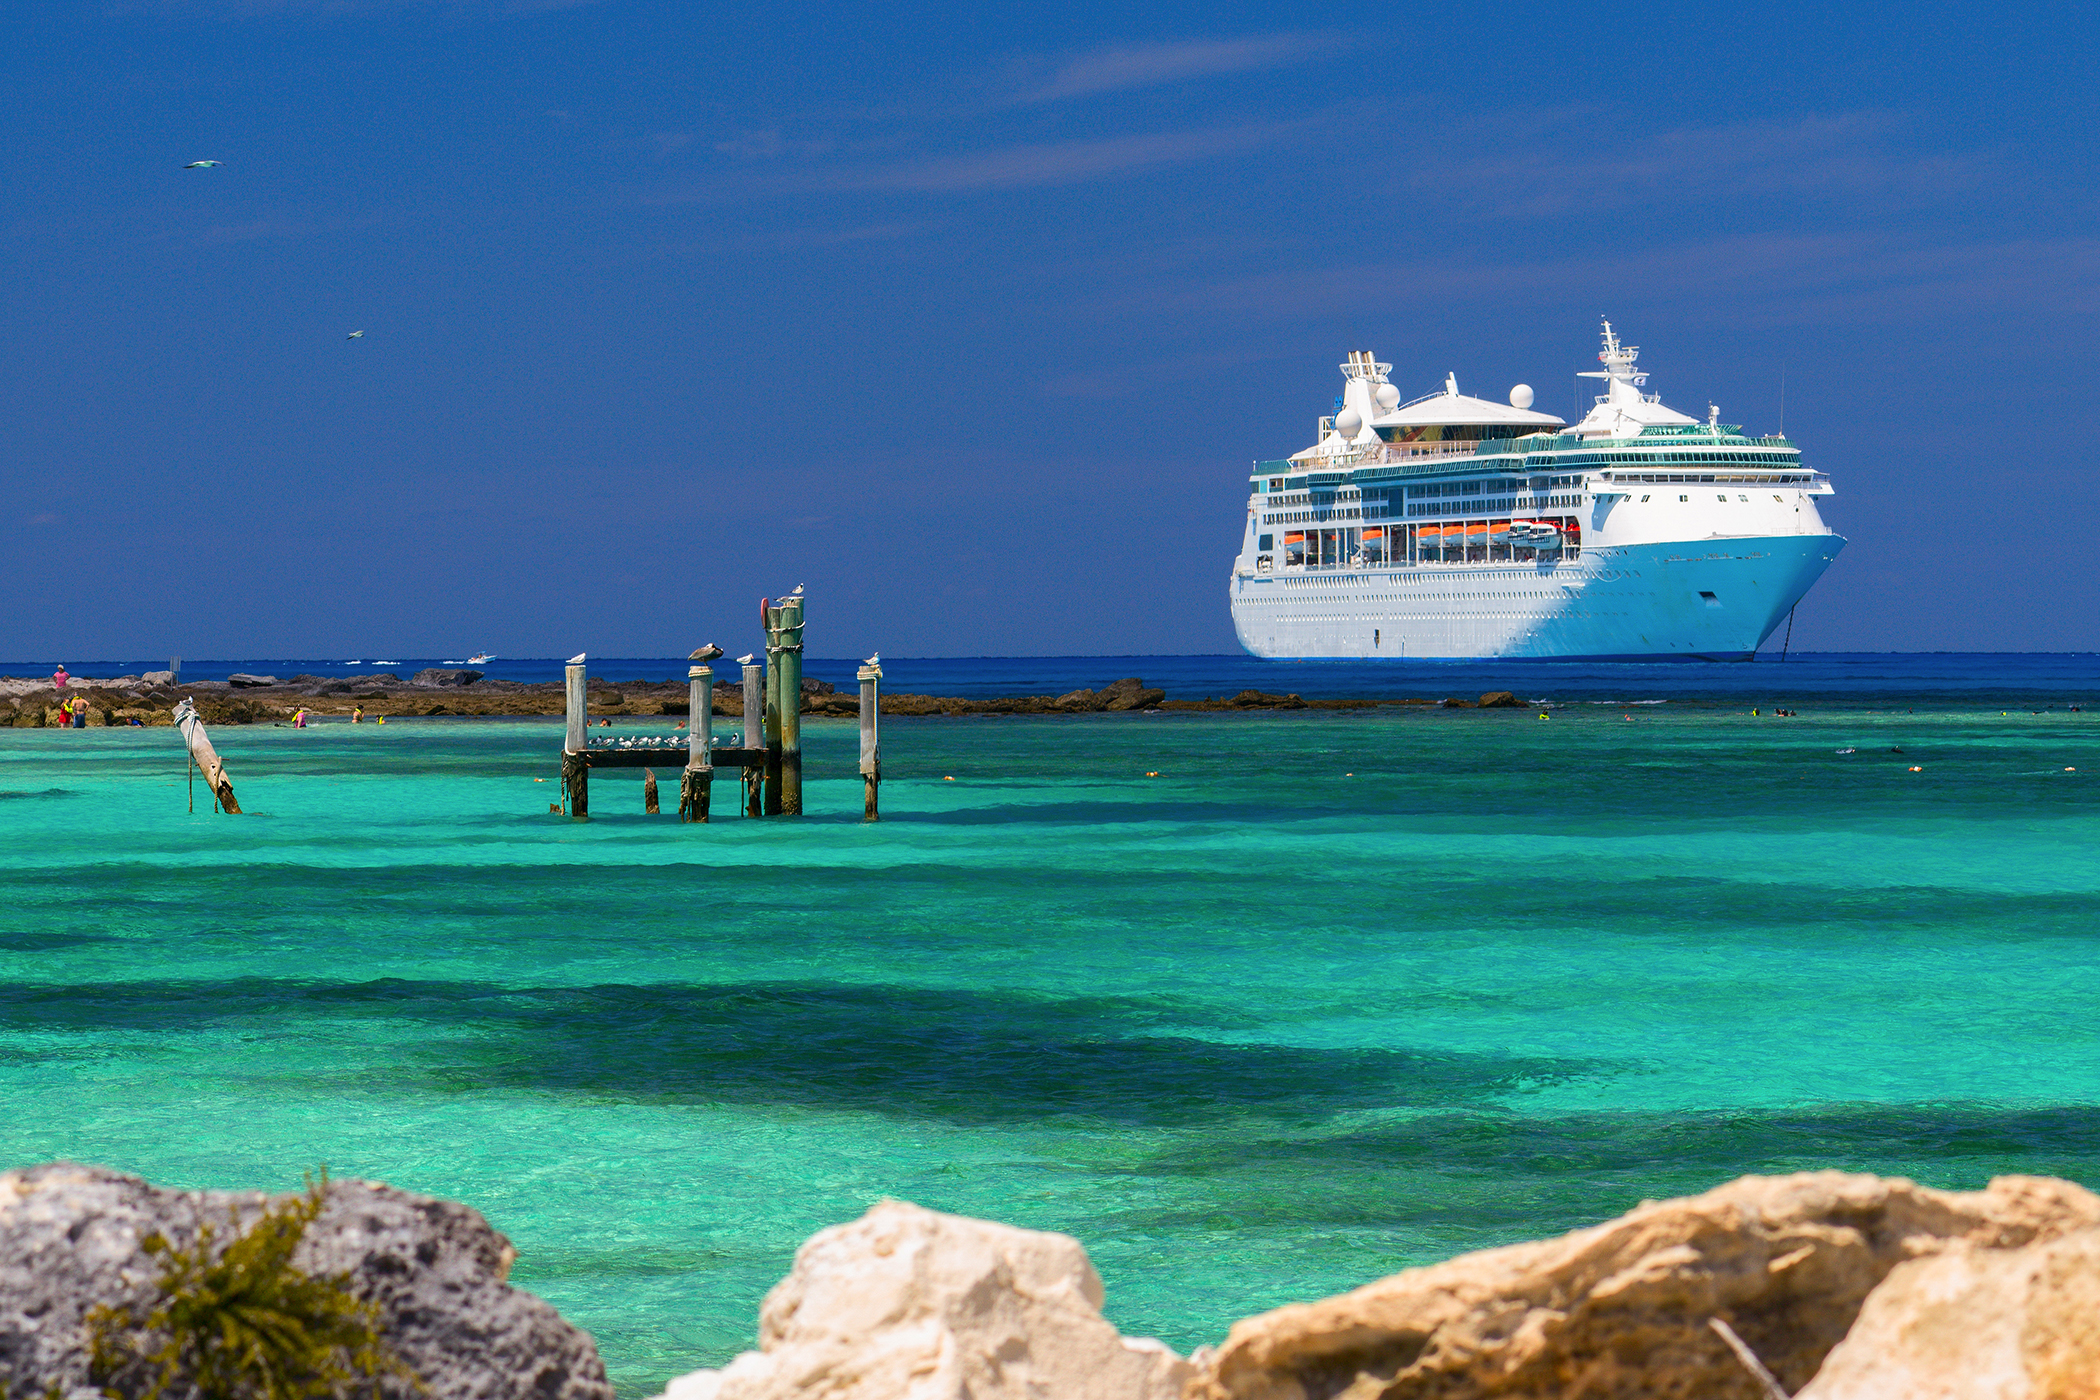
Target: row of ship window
(1491,506)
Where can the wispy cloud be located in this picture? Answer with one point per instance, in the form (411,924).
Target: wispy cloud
(1058,162)
(1869,278)
(1149,65)
(1552,165)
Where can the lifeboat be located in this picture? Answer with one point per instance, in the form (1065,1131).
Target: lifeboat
(1498,532)
(1534,534)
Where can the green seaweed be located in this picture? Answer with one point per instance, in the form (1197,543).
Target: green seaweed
(242,1322)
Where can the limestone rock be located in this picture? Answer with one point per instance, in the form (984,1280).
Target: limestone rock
(1263,700)
(910,1304)
(158,678)
(69,1239)
(1130,693)
(444,675)
(1078,700)
(241,680)
(1622,1308)
(1500,700)
(1976,1324)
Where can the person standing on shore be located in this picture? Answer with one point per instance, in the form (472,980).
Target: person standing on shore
(59,677)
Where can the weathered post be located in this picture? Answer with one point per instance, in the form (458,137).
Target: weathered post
(790,653)
(773,700)
(575,765)
(649,791)
(871,734)
(205,757)
(697,786)
(754,737)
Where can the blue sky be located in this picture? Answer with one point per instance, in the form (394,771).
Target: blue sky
(971,319)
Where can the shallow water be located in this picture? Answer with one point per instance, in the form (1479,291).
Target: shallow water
(1335,994)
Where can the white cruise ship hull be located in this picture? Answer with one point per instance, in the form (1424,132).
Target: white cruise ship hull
(1713,599)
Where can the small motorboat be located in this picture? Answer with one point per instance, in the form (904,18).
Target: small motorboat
(479,658)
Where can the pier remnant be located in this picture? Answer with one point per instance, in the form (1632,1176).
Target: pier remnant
(696,787)
(784,653)
(770,753)
(206,757)
(754,738)
(575,752)
(870,677)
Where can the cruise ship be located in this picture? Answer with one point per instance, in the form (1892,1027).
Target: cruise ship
(1461,527)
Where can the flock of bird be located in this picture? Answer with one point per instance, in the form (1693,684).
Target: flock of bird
(214,165)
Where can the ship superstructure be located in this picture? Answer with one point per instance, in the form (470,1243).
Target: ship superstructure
(1460,527)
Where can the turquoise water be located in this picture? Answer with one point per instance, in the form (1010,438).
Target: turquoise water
(1335,994)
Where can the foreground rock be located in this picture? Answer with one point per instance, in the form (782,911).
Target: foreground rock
(69,1240)
(1624,1308)
(909,1304)
(1976,1324)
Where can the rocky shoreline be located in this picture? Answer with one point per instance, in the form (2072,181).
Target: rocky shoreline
(1818,1286)
(248,699)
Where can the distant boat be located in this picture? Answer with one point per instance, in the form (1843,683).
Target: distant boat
(479,658)
(386,663)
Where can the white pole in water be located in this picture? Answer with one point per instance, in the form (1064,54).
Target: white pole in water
(754,736)
(578,709)
(870,677)
(699,782)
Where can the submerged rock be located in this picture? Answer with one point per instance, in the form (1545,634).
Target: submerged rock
(1624,1308)
(70,1239)
(910,1304)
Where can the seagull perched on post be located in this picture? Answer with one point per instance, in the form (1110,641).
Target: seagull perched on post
(202,165)
(875,660)
(745,659)
(577,659)
(706,653)
(355,335)
(798,591)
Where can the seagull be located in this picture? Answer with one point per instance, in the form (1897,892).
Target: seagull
(706,653)
(798,591)
(875,660)
(745,659)
(577,659)
(355,335)
(202,165)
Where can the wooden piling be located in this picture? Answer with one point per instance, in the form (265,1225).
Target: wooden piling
(871,738)
(576,782)
(206,757)
(771,614)
(577,708)
(754,737)
(649,791)
(789,650)
(697,786)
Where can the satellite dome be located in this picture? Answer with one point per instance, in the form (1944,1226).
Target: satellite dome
(1348,422)
(1520,397)
(1388,397)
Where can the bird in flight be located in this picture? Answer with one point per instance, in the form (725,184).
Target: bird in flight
(355,335)
(202,165)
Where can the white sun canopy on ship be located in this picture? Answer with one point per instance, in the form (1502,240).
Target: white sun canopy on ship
(1371,413)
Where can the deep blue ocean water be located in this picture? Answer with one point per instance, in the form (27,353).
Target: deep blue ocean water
(1334,994)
